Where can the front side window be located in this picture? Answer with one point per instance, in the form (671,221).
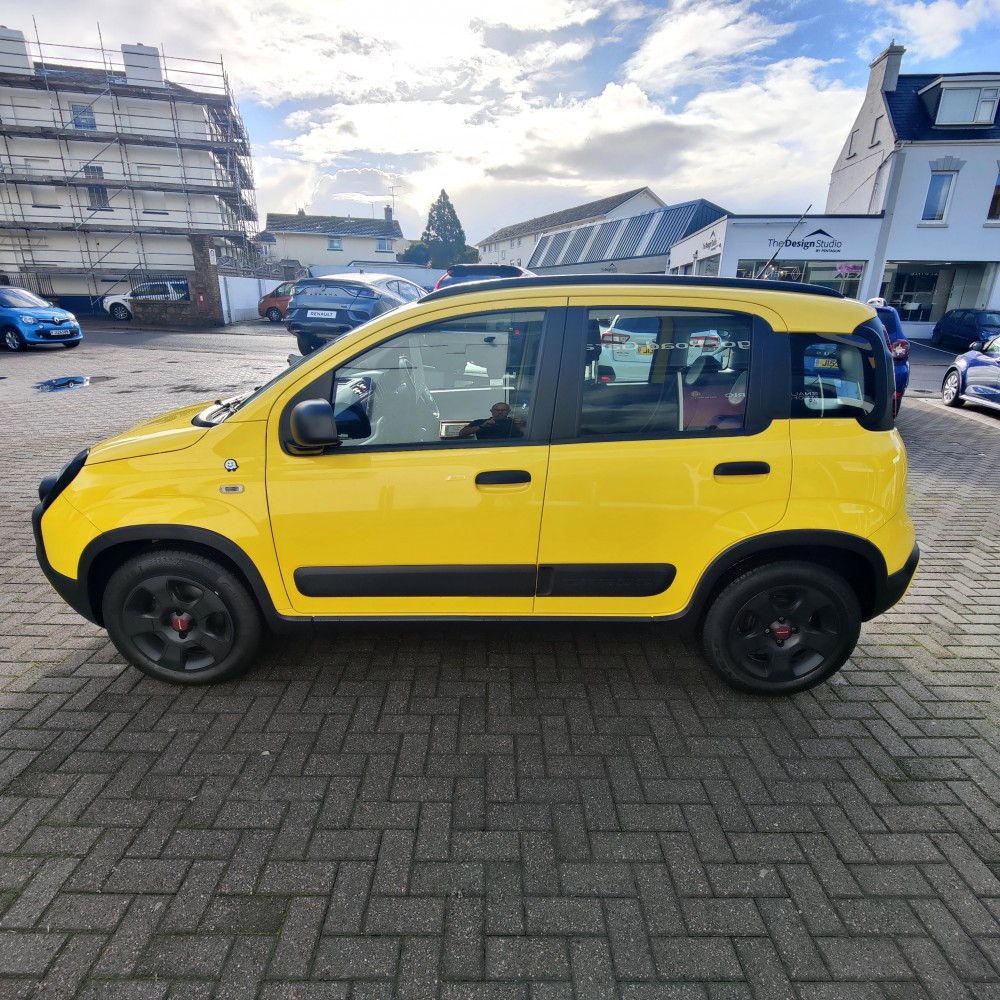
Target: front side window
(834,375)
(665,372)
(938,195)
(445,383)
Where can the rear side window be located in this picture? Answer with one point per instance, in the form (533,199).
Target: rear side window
(837,375)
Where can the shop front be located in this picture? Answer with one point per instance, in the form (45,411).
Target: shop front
(923,291)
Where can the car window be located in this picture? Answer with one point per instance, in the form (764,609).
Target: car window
(833,376)
(665,372)
(409,291)
(989,319)
(992,349)
(424,386)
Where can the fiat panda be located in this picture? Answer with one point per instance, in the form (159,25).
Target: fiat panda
(453,459)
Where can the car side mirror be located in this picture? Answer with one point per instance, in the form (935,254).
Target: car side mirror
(977,345)
(312,424)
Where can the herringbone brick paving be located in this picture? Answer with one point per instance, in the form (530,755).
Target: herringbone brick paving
(490,811)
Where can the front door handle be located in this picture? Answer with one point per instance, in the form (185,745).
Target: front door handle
(503,477)
(742,469)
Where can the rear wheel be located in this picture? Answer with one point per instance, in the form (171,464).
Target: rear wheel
(181,618)
(951,389)
(274,315)
(307,344)
(13,339)
(781,628)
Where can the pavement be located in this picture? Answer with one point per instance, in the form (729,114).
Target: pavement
(487,811)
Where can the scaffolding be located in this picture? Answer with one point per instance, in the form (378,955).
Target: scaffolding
(111,160)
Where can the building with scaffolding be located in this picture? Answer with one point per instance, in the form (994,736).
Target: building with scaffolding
(118,168)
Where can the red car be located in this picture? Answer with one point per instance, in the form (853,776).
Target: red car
(274,305)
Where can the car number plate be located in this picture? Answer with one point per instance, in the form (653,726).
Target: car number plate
(321,313)
(827,363)
(647,349)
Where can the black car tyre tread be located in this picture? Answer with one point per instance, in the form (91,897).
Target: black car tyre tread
(71,343)
(274,315)
(147,595)
(816,604)
(120,312)
(951,389)
(13,339)
(307,344)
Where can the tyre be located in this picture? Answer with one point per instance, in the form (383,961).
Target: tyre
(13,339)
(781,628)
(120,312)
(181,617)
(72,343)
(950,389)
(306,343)
(274,315)
(936,338)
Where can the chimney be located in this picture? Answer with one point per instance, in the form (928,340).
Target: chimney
(388,213)
(13,51)
(142,65)
(885,68)
(302,211)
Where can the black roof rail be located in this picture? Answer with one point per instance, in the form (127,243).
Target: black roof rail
(611,280)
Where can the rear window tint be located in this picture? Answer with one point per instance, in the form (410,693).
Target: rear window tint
(835,376)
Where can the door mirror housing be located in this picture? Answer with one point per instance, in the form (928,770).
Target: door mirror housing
(312,424)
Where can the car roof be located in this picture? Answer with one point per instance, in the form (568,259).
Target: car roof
(349,279)
(613,280)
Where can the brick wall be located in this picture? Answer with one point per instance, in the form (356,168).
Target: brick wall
(205,307)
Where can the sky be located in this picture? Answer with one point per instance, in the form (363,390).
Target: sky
(526,107)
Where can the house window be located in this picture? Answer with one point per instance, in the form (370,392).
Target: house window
(851,151)
(97,194)
(994,213)
(938,195)
(334,243)
(83,117)
(967,106)
(383,245)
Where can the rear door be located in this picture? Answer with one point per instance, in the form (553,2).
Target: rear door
(650,478)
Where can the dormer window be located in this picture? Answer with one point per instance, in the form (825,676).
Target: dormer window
(967,106)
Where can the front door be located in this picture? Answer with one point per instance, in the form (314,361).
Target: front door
(432,505)
(654,474)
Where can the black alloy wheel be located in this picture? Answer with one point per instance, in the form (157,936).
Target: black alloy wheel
(274,315)
(782,627)
(13,339)
(181,618)
(951,389)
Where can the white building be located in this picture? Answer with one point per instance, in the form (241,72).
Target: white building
(516,244)
(111,162)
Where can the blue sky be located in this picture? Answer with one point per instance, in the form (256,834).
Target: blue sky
(526,107)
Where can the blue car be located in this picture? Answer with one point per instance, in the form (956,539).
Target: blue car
(899,349)
(974,377)
(27,320)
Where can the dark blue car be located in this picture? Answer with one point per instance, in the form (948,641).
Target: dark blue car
(27,320)
(974,377)
(899,349)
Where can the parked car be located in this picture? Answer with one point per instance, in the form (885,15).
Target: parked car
(960,327)
(899,348)
(119,305)
(761,506)
(458,273)
(974,377)
(274,305)
(324,309)
(28,320)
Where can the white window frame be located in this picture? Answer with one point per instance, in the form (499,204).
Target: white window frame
(334,243)
(383,245)
(941,219)
(985,106)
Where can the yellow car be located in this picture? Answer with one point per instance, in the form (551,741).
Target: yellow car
(462,458)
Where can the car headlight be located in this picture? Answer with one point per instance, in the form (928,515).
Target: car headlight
(28,320)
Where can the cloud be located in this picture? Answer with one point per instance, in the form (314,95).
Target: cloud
(936,29)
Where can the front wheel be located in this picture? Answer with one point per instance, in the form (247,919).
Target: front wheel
(306,343)
(14,340)
(951,389)
(120,312)
(181,617)
(274,315)
(71,343)
(781,628)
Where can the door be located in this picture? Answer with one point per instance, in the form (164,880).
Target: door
(651,478)
(982,377)
(406,517)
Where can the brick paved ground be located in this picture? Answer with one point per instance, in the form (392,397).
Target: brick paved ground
(493,812)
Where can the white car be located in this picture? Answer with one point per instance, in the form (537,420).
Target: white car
(119,304)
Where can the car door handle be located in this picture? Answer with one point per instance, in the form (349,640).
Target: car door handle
(503,477)
(742,469)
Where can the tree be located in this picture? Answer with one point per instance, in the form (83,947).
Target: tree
(443,237)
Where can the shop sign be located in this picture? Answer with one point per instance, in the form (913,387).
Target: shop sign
(819,241)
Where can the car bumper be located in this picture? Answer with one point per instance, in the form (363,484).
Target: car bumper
(51,335)
(73,592)
(896,584)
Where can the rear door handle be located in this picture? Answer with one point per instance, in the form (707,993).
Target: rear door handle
(742,469)
(503,477)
